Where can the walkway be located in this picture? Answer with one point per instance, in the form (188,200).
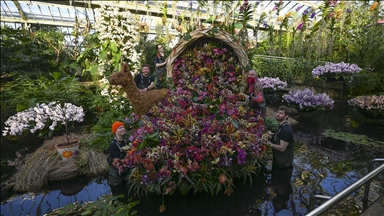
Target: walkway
(376,209)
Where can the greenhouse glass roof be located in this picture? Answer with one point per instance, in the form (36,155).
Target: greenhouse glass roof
(65,12)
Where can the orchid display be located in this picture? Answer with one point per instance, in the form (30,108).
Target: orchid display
(120,28)
(307,100)
(371,103)
(203,136)
(335,70)
(118,32)
(271,84)
(39,117)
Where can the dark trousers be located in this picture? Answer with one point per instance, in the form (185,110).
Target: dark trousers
(118,184)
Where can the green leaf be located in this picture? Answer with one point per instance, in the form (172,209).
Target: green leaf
(142,145)
(235,123)
(239,25)
(214,31)
(187,37)
(56,75)
(153,135)
(87,212)
(94,69)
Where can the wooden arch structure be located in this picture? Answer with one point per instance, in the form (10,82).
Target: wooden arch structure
(197,34)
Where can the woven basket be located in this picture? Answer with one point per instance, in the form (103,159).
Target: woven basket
(199,34)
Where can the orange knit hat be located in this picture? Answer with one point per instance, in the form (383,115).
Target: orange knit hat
(116,125)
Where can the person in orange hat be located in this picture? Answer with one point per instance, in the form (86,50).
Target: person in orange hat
(116,178)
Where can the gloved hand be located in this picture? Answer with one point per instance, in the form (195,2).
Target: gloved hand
(242,96)
(256,98)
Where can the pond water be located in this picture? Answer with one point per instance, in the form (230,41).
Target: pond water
(322,165)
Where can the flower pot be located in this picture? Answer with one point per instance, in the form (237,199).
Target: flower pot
(334,79)
(68,150)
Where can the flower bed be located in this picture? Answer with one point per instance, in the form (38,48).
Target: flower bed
(202,136)
(335,70)
(306,100)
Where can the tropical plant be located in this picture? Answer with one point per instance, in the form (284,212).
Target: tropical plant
(119,39)
(306,100)
(115,42)
(34,54)
(25,92)
(44,117)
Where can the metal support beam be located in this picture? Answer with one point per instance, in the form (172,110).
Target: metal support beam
(20,10)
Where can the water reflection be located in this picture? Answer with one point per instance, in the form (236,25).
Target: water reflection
(41,203)
(321,165)
(281,188)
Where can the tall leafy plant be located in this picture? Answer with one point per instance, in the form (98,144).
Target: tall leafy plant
(33,54)
(25,92)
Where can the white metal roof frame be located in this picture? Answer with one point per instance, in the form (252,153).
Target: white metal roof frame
(65,13)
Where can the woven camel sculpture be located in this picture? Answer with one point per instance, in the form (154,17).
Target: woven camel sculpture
(141,101)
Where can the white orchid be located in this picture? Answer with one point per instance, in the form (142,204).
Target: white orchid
(38,117)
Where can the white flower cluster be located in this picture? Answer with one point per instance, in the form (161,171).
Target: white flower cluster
(335,68)
(368,102)
(307,99)
(272,83)
(115,98)
(38,117)
(120,27)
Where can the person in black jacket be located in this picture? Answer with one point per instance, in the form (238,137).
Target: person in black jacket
(282,143)
(116,177)
(144,81)
(282,149)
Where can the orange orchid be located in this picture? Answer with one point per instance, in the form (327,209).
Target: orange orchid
(374,5)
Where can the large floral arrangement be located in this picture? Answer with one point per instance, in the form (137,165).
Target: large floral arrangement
(307,100)
(39,117)
(335,70)
(202,136)
(272,84)
(370,103)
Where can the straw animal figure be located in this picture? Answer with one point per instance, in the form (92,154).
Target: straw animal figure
(141,101)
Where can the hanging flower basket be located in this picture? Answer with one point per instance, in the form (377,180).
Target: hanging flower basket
(205,33)
(68,150)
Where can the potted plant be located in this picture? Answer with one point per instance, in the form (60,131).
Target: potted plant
(306,100)
(46,117)
(369,105)
(335,70)
(272,84)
